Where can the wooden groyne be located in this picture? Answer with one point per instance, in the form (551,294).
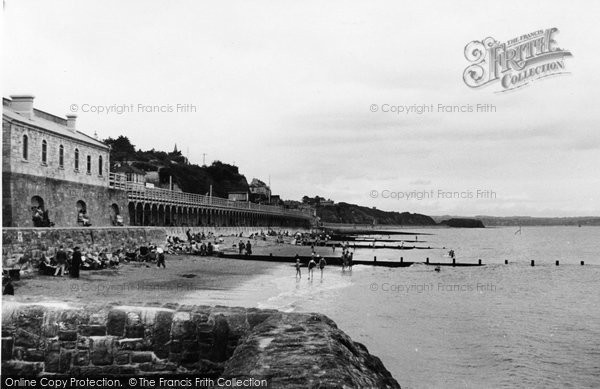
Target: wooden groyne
(337,261)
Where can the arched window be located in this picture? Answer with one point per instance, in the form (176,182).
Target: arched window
(44,152)
(89,165)
(61,156)
(25,147)
(100,165)
(77,159)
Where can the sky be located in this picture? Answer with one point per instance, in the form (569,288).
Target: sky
(285,90)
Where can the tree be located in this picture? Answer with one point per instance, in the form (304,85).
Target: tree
(121,148)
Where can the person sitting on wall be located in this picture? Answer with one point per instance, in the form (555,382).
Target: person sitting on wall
(209,249)
(38,216)
(83,219)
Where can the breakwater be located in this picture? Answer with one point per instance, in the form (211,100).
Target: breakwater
(289,350)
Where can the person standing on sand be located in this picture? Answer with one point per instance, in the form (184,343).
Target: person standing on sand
(298,272)
(61,260)
(248,248)
(161,258)
(75,263)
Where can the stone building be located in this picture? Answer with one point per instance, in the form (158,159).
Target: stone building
(53,174)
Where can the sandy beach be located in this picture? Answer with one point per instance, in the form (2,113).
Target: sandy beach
(135,282)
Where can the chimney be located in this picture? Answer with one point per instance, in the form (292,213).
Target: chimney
(71,119)
(22,104)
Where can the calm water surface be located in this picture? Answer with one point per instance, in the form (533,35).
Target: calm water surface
(493,326)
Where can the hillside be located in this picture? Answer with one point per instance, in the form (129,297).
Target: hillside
(352,213)
(191,178)
(516,221)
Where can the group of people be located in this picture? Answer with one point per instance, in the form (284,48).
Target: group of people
(245,247)
(315,260)
(71,261)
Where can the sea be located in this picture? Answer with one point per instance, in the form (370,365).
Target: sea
(496,326)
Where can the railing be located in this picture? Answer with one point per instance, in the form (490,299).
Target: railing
(117,181)
(136,191)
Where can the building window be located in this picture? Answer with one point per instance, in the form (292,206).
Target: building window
(44,152)
(100,165)
(61,157)
(76,159)
(25,147)
(89,165)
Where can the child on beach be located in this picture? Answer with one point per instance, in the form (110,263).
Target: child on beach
(161,258)
(298,272)
(322,264)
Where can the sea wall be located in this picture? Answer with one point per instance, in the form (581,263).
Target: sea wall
(289,350)
(24,247)
(62,199)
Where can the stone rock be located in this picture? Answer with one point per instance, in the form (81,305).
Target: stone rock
(52,362)
(7,347)
(102,350)
(115,324)
(20,368)
(92,330)
(67,335)
(33,355)
(122,357)
(320,355)
(141,357)
(162,333)
(81,358)
(288,349)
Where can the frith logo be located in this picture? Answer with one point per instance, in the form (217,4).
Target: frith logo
(515,63)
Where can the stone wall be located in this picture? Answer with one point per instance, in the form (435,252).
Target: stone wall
(289,350)
(60,200)
(23,247)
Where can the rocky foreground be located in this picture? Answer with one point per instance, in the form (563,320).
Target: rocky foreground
(290,350)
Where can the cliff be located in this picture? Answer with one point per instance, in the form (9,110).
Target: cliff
(356,214)
(289,350)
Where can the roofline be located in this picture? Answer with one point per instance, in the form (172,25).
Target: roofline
(23,121)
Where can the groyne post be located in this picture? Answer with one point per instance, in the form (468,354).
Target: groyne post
(375,259)
(401,259)
(453,261)
(480,261)
(427,260)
